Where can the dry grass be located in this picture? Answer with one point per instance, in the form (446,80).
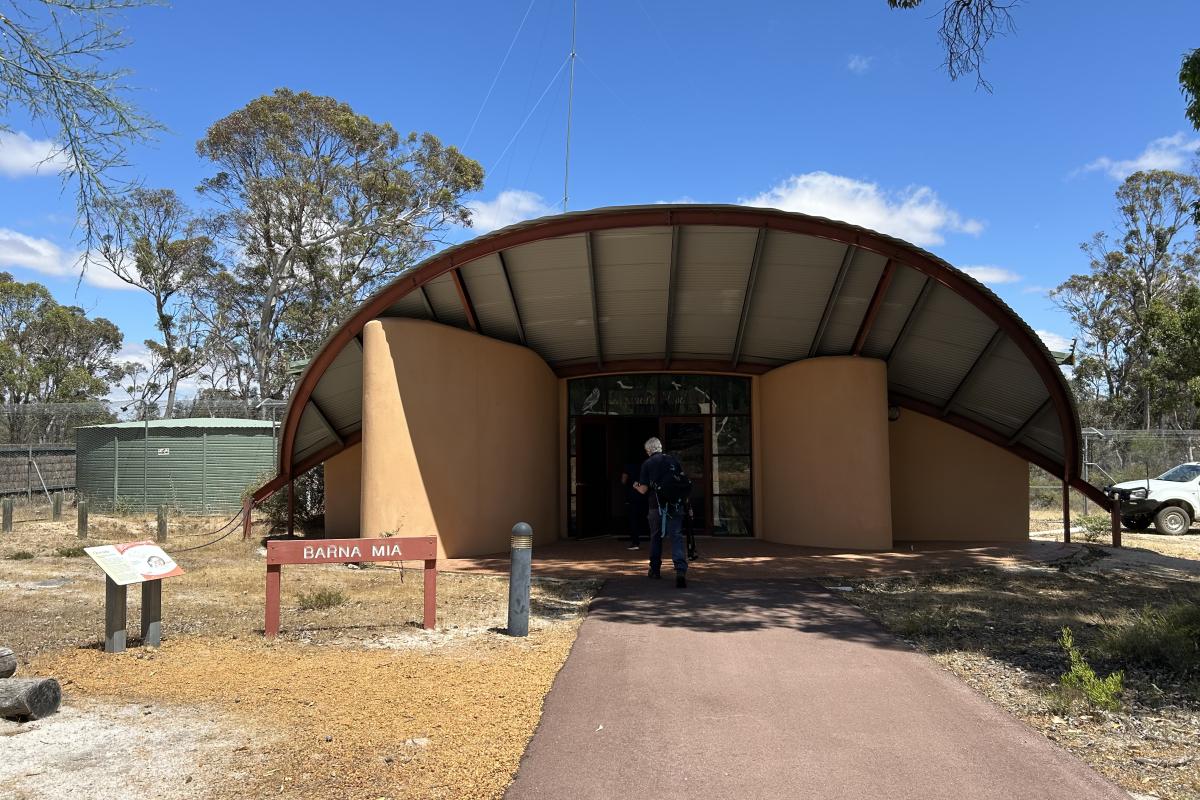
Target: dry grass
(999,631)
(362,673)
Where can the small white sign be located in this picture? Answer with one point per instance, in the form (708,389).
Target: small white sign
(164,451)
(134,562)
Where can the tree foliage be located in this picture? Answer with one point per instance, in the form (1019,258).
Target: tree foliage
(1136,274)
(49,353)
(53,70)
(319,206)
(1189,84)
(966,30)
(151,240)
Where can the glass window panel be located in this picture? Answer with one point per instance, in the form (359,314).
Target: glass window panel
(572,528)
(633,395)
(731,475)
(730,395)
(685,395)
(571,436)
(571,475)
(733,516)
(587,396)
(731,435)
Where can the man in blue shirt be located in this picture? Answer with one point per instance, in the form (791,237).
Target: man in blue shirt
(666,519)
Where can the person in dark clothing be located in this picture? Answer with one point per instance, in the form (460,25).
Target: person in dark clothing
(636,506)
(664,521)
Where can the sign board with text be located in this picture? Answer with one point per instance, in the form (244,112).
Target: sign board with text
(349,551)
(134,562)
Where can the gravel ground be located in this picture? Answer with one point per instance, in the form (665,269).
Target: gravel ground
(352,701)
(998,629)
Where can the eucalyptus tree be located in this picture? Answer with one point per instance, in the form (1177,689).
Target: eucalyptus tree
(317,207)
(1151,258)
(150,240)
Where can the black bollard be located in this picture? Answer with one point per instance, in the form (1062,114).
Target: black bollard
(518,581)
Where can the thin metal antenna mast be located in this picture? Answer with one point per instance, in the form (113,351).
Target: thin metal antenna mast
(570,105)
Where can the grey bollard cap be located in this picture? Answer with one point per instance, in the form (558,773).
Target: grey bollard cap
(522,536)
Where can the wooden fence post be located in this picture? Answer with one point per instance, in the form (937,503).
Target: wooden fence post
(56,507)
(162,523)
(8,515)
(81,522)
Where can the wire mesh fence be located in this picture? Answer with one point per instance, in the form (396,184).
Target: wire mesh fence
(1113,456)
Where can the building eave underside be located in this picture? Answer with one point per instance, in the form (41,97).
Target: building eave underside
(716,289)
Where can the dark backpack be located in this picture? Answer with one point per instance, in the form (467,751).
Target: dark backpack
(675,487)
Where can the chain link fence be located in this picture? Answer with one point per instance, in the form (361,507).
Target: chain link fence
(1113,456)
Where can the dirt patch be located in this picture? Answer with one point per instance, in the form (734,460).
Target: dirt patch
(327,721)
(87,749)
(353,700)
(998,630)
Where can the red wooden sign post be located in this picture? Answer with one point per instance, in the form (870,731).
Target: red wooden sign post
(349,551)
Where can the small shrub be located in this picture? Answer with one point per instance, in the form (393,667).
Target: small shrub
(322,599)
(1167,640)
(1082,680)
(1095,526)
(70,552)
(926,622)
(21,555)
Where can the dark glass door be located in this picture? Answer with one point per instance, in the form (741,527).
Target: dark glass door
(688,439)
(591,482)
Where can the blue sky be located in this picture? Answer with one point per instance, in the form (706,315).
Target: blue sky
(835,107)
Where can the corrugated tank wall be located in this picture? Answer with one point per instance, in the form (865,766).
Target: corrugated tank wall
(190,470)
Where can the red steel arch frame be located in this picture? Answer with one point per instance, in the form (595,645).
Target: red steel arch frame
(452,259)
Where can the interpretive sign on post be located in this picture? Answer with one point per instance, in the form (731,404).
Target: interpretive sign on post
(350,551)
(125,564)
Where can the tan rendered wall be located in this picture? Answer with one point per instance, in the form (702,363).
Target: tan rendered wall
(951,486)
(824,445)
(343,487)
(460,437)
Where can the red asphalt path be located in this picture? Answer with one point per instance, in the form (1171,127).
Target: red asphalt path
(772,689)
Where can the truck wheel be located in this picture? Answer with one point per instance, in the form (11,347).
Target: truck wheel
(1138,523)
(1172,520)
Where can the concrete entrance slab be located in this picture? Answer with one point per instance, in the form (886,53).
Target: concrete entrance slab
(746,559)
(772,689)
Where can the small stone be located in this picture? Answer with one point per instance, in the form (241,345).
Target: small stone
(329,738)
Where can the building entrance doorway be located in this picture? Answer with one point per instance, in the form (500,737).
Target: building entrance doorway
(702,420)
(609,447)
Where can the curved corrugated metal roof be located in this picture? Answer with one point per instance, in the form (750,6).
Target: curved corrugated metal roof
(716,289)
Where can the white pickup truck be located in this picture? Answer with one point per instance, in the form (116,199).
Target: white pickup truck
(1170,501)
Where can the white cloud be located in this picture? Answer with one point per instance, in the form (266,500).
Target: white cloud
(1055,341)
(510,206)
(992,275)
(859,64)
(1169,152)
(44,256)
(914,214)
(22,155)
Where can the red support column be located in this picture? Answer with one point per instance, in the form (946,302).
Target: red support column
(430,621)
(1066,509)
(274,573)
(291,507)
(1116,521)
(247,516)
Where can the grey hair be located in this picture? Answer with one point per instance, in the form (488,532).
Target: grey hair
(653,445)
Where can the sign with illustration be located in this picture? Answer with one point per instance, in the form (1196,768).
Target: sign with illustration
(134,562)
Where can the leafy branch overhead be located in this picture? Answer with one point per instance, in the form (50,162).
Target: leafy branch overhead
(53,71)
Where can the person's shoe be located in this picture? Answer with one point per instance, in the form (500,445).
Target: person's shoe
(680,582)
(633,547)
(653,574)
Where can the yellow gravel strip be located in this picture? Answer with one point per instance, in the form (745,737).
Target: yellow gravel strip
(329,721)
